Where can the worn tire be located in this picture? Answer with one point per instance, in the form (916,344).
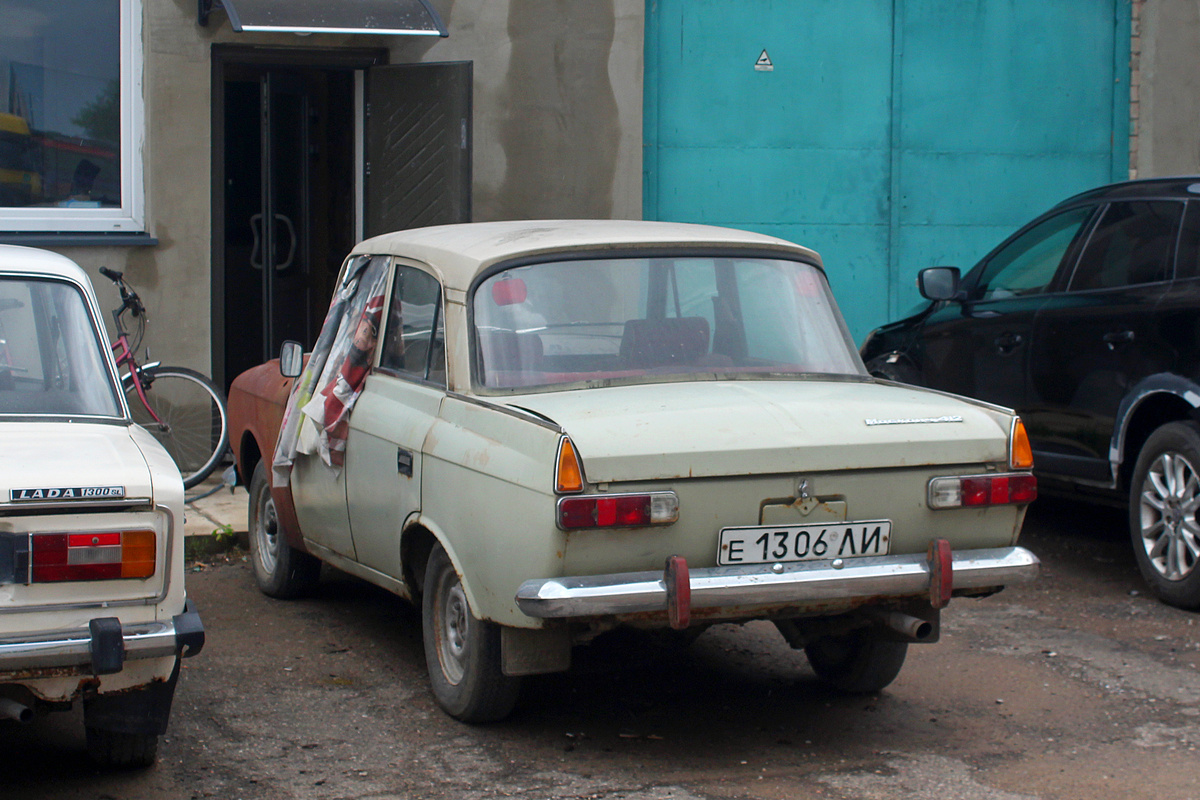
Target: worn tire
(858,662)
(899,371)
(1164,501)
(462,651)
(280,570)
(115,749)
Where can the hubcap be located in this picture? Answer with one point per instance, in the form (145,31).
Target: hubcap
(266,534)
(1168,506)
(454,628)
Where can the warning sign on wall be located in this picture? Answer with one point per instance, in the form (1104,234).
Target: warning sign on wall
(764,63)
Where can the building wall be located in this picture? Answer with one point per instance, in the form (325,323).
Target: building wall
(1166,88)
(557,132)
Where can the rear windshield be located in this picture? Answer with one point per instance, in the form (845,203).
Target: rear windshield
(51,361)
(655,319)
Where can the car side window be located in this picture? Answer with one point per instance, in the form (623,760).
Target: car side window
(1187,263)
(1028,264)
(414,339)
(1133,244)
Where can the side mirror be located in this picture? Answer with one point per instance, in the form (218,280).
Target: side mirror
(938,283)
(291,359)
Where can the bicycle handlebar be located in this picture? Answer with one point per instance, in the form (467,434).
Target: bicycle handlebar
(129,298)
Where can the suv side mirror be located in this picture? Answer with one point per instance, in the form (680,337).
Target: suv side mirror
(291,359)
(938,283)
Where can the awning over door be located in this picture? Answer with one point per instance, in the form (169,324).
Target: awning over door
(394,17)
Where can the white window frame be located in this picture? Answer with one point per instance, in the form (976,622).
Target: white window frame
(131,216)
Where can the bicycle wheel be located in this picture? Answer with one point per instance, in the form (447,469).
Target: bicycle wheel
(193,422)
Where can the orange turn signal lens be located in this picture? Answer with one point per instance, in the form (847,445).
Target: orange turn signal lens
(568,477)
(137,554)
(1020,453)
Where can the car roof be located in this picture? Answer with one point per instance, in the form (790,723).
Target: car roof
(1180,186)
(31,260)
(462,251)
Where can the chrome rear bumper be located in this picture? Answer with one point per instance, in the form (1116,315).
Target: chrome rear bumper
(874,577)
(184,634)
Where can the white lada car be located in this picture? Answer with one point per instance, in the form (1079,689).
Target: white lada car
(92,603)
(541,431)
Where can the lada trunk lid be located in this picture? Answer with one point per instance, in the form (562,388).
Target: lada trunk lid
(73,480)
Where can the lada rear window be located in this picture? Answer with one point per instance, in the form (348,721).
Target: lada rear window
(51,361)
(655,319)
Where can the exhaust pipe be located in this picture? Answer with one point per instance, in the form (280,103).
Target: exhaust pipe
(11,709)
(914,629)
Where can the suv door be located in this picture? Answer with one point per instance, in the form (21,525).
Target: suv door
(1095,341)
(980,347)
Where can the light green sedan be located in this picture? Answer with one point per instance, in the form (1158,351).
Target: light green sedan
(543,430)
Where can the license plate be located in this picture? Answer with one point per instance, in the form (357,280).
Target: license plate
(769,544)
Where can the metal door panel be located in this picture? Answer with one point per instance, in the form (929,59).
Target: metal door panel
(418,146)
(943,124)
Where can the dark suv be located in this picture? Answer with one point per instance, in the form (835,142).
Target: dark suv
(1087,321)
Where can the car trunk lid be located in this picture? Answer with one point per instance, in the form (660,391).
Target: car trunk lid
(727,428)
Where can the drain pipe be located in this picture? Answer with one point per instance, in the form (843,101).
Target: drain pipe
(11,709)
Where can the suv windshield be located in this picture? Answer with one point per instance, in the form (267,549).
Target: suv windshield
(51,361)
(635,319)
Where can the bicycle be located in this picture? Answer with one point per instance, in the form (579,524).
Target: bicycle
(180,407)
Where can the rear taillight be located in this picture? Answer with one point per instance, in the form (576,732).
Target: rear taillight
(1020,452)
(974,491)
(568,473)
(618,510)
(104,556)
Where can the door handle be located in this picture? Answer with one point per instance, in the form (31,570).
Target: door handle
(256,249)
(404,462)
(1111,340)
(1007,342)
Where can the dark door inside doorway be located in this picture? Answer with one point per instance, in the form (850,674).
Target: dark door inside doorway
(288,172)
(288,204)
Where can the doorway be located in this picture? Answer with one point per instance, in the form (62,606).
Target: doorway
(301,167)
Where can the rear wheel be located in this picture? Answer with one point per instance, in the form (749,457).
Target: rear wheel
(192,424)
(122,750)
(280,570)
(462,652)
(1164,501)
(858,662)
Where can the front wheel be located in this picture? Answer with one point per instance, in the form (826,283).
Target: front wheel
(462,652)
(1164,501)
(189,417)
(859,662)
(280,570)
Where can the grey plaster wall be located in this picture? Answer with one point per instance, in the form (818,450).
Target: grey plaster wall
(557,133)
(1169,89)
(557,104)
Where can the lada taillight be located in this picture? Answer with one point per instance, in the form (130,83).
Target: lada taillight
(973,491)
(91,556)
(618,510)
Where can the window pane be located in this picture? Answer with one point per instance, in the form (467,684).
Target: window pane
(60,132)
(411,319)
(1028,264)
(656,319)
(1132,244)
(51,361)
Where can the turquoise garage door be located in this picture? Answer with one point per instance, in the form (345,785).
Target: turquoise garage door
(890,135)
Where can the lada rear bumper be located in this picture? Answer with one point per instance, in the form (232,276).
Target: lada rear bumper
(103,646)
(817,582)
